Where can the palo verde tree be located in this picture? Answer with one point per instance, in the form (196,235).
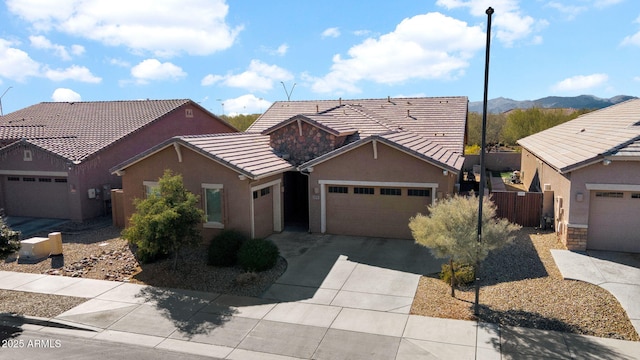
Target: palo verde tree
(165,221)
(451,231)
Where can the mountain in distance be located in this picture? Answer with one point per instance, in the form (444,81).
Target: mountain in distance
(500,105)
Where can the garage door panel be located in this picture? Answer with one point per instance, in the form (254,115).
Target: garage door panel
(36,197)
(613,221)
(373,215)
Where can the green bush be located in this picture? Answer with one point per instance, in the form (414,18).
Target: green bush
(258,255)
(464,274)
(9,240)
(223,249)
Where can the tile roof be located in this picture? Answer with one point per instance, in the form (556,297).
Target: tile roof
(408,142)
(440,119)
(248,154)
(612,132)
(326,122)
(77,130)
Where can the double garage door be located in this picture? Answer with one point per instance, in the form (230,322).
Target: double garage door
(613,221)
(375,211)
(36,196)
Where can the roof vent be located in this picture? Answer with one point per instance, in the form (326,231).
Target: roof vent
(388,98)
(636,123)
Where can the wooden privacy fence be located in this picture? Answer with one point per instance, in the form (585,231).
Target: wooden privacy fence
(520,207)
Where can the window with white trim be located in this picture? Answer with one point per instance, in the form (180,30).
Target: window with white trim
(151,187)
(635,195)
(338,189)
(609,194)
(213,205)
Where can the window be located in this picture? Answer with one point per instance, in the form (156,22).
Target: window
(635,196)
(609,194)
(29,179)
(338,189)
(265,191)
(60,180)
(213,205)
(363,190)
(28,156)
(151,187)
(13,178)
(419,192)
(44,180)
(390,191)
(255,194)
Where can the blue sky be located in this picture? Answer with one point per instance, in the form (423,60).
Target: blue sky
(240,53)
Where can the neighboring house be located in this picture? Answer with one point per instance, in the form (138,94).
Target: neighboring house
(590,168)
(357,167)
(56,156)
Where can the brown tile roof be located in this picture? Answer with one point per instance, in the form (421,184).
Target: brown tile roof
(326,122)
(78,130)
(612,132)
(440,119)
(408,142)
(248,154)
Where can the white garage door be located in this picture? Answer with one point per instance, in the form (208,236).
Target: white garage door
(613,221)
(375,211)
(36,196)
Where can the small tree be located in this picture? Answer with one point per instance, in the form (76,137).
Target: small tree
(451,231)
(165,221)
(9,240)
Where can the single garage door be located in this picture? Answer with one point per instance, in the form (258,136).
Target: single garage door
(374,211)
(34,196)
(613,221)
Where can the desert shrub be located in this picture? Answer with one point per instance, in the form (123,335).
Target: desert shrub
(223,249)
(9,240)
(464,273)
(258,255)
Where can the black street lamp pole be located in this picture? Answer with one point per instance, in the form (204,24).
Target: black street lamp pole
(483,180)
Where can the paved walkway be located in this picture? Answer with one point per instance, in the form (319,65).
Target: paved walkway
(340,298)
(618,273)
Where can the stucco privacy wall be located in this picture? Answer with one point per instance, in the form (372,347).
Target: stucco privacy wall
(303,142)
(196,169)
(359,165)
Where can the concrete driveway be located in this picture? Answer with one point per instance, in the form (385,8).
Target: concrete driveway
(354,272)
(618,273)
(30,226)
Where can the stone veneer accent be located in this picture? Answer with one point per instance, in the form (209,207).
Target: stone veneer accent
(313,142)
(576,238)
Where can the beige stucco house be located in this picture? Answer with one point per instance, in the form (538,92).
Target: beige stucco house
(356,167)
(589,170)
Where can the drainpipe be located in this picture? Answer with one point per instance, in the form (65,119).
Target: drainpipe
(308,175)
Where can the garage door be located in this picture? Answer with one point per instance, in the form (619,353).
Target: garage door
(374,211)
(35,196)
(613,221)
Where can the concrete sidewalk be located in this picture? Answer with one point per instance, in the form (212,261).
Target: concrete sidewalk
(340,298)
(616,272)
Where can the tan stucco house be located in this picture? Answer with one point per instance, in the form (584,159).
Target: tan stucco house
(55,156)
(589,170)
(356,167)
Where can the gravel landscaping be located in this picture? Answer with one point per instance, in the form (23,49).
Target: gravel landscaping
(521,285)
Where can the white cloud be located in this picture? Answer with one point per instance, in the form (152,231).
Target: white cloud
(510,24)
(637,78)
(258,77)
(164,28)
(361,32)
(632,39)
(74,72)
(246,104)
(333,32)
(428,46)
(571,11)
(119,63)
(605,3)
(152,70)
(41,42)
(16,64)
(65,95)
(580,82)
(282,49)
